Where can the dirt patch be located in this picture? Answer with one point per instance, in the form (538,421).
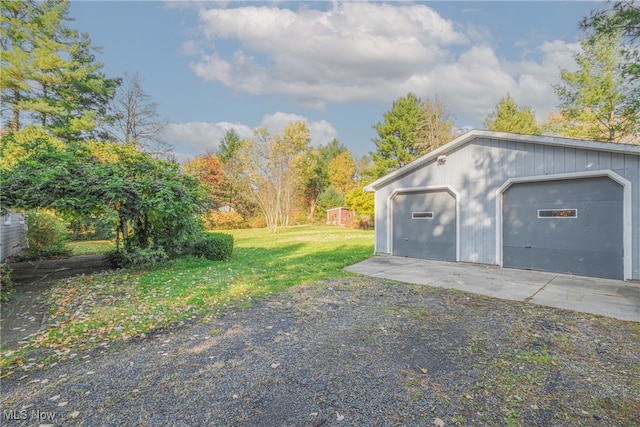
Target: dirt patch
(25,313)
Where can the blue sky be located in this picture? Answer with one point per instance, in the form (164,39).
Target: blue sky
(214,66)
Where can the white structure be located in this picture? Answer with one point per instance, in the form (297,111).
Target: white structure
(520,201)
(13,234)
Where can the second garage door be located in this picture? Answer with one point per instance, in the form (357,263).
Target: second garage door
(424,225)
(569,226)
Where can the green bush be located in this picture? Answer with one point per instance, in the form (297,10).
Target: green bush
(47,235)
(214,246)
(6,284)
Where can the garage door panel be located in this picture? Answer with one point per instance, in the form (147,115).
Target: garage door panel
(590,244)
(585,263)
(424,225)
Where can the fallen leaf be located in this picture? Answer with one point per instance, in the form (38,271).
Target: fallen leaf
(339,417)
(438,422)
(74,414)
(274,365)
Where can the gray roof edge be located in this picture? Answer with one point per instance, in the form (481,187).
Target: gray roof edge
(477,133)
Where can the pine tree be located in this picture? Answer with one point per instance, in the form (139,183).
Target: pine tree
(52,75)
(508,117)
(396,142)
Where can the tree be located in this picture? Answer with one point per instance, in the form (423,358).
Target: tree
(622,18)
(396,142)
(314,172)
(434,126)
(508,117)
(360,202)
(593,98)
(313,180)
(341,171)
(330,198)
(208,170)
(229,146)
(136,118)
(234,195)
(152,204)
(52,75)
(270,165)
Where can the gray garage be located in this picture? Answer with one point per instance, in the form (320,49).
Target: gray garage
(517,201)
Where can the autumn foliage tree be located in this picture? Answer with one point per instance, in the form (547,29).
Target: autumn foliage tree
(208,170)
(594,98)
(270,165)
(434,126)
(341,170)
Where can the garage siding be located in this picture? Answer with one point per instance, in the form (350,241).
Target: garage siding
(477,169)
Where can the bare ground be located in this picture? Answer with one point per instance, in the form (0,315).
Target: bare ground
(25,313)
(356,351)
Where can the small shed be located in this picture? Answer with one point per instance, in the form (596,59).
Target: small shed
(519,201)
(13,234)
(339,216)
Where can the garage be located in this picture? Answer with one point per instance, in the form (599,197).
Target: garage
(531,202)
(570,226)
(424,225)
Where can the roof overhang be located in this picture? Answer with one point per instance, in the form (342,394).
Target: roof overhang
(475,134)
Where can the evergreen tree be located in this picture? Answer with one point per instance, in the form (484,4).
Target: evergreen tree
(508,117)
(396,142)
(52,75)
(229,146)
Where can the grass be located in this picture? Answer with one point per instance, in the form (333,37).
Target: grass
(91,247)
(94,311)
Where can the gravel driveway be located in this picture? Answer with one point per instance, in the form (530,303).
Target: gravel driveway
(357,351)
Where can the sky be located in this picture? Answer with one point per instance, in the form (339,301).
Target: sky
(212,66)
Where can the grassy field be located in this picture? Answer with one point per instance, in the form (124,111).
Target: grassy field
(94,311)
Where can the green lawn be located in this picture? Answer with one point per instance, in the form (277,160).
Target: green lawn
(91,247)
(92,311)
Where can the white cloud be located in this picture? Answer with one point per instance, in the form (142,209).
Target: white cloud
(197,138)
(334,55)
(369,52)
(322,132)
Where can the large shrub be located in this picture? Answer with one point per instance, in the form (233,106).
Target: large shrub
(223,220)
(149,203)
(214,246)
(47,235)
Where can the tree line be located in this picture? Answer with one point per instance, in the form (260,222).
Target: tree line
(84,145)
(90,146)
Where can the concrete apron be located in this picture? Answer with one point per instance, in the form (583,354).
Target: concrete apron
(611,298)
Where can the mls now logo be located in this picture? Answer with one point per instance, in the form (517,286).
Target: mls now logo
(15,415)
